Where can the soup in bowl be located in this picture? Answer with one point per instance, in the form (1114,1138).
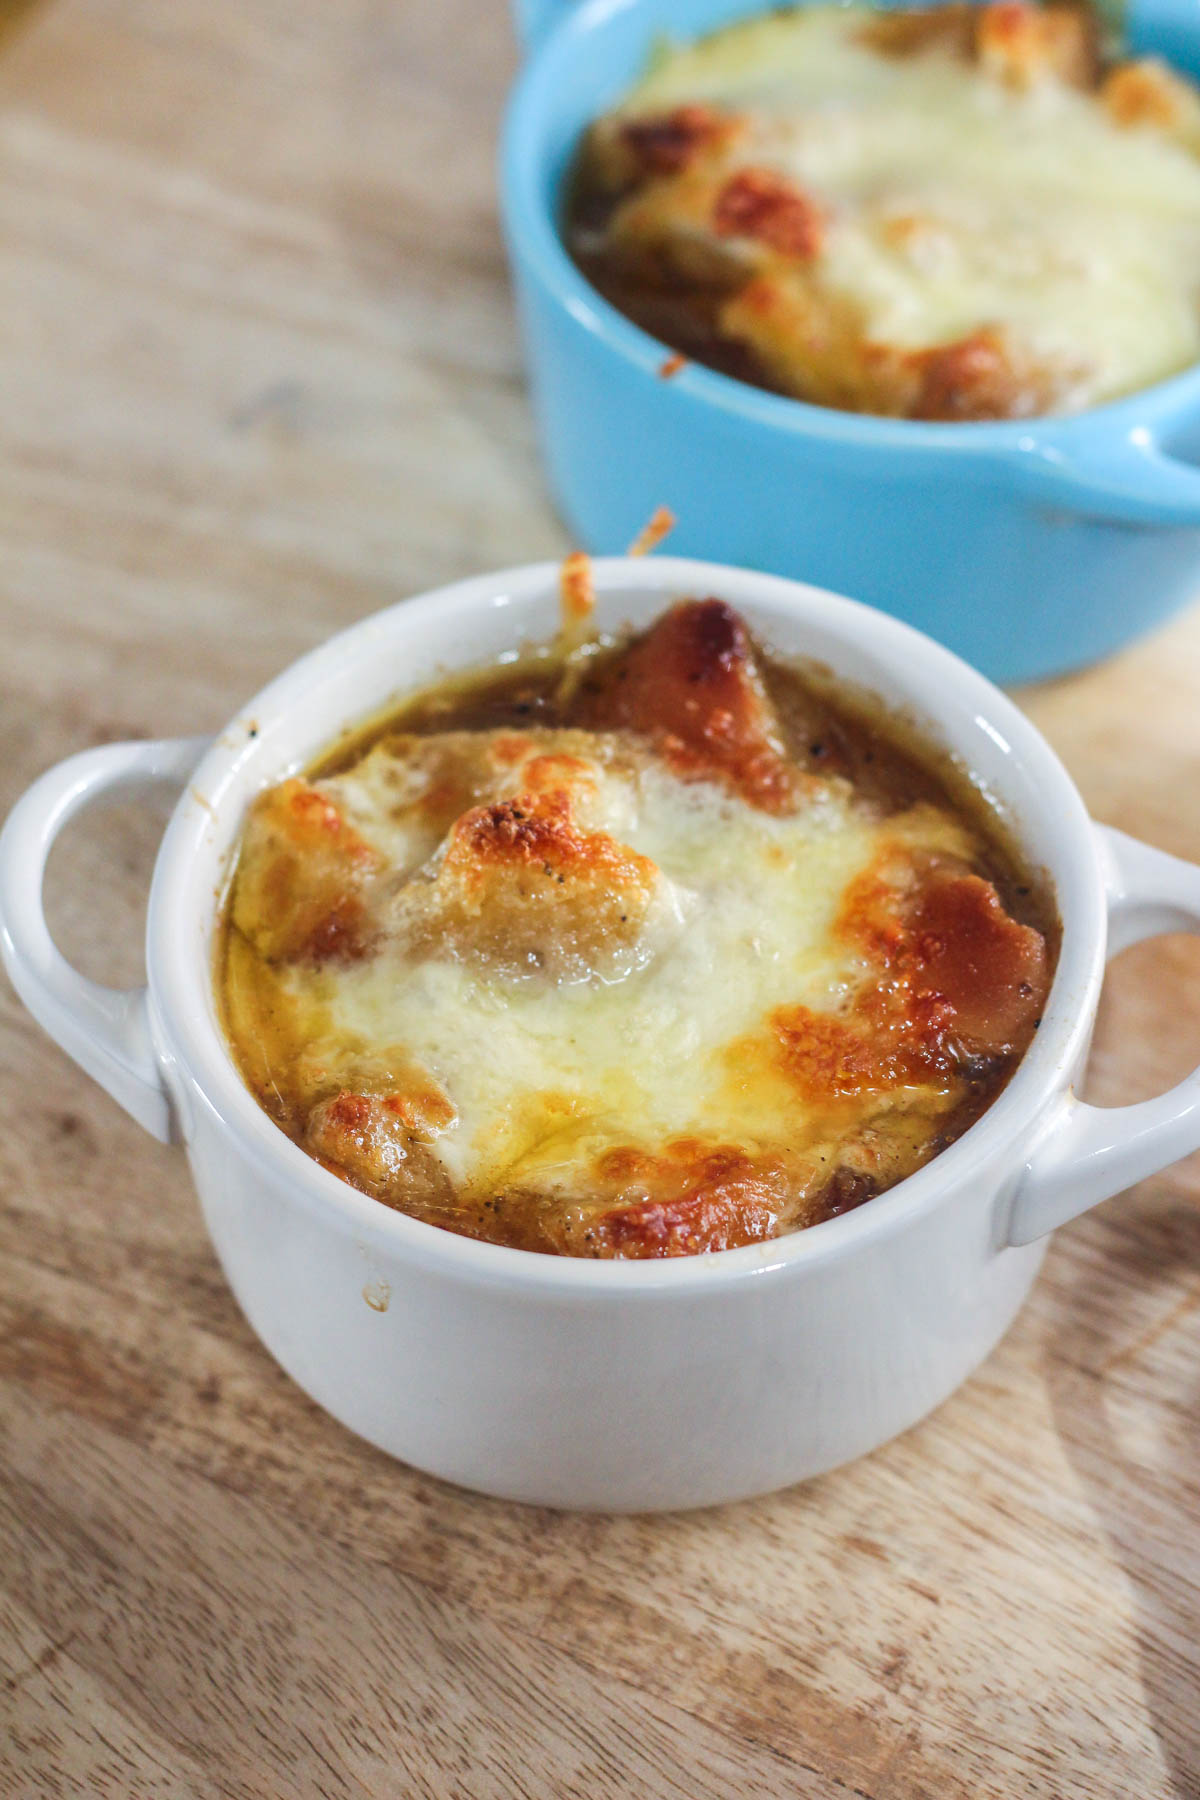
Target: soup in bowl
(647,1380)
(954,213)
(649,946)
(927,337)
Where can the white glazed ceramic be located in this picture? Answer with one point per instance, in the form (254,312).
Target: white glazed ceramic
(598,1384)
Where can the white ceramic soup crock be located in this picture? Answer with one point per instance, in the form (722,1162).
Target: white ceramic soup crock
(599,1384)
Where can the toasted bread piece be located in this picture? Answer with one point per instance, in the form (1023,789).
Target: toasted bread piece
(692,686)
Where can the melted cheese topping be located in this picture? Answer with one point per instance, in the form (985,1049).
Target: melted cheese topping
(641,988)
(543,1074)
(950,194)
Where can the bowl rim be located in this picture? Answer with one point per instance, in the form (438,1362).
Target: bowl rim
(533,232)
(199,1066)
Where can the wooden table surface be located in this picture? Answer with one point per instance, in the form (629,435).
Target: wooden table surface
(259,378)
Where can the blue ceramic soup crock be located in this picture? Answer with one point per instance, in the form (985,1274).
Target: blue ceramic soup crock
(1028,547)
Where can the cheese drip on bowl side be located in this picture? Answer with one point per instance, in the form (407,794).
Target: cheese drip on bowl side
(665,974)
(947,214)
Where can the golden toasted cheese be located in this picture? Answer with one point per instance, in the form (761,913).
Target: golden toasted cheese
(640,983)
(952,213)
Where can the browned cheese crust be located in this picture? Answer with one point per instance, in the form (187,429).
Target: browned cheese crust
(501,864)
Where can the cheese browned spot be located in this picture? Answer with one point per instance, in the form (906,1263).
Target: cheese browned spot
(665,145)
(1148,95)
(956,979)
(992,972)
(758,203)
(690,1198)
(692,685)
(1023,44)
(910,31)
(680,968)
(953,213)
(979,377)
(521,889)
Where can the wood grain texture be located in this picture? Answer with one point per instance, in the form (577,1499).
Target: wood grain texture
(260,377)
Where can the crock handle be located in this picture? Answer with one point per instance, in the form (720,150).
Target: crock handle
(105,1029)
(1089,1153)
(1130,479)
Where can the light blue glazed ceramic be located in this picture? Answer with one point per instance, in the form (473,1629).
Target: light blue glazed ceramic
(1029,548)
